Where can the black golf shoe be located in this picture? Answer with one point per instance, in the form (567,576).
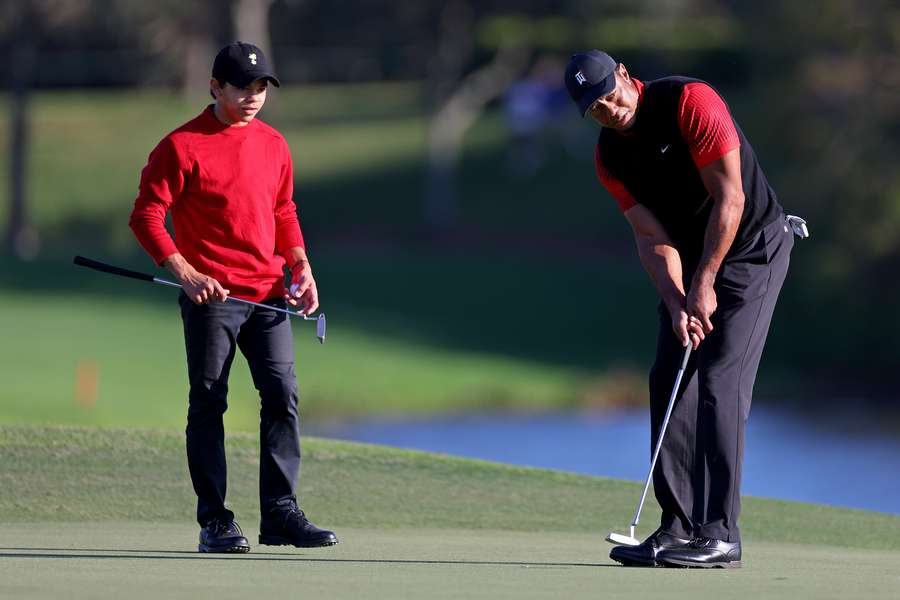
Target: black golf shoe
(645,554)
(288,526)
(705,553)
(222,535)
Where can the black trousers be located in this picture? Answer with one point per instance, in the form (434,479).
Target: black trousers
(698,475)
(212,332)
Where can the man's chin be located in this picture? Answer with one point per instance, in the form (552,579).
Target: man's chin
(624,125)
(247,116)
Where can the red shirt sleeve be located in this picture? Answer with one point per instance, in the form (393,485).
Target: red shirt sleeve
(162,182)
(706,124)
(287,226)
(613,185)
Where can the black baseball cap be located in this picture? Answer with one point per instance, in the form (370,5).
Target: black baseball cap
(590,75)
(240,64)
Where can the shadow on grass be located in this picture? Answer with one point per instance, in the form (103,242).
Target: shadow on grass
(93,553)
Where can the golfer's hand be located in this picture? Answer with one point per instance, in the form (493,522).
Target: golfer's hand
(701,304)
(202,289)
(687,328)
(198,287)
(303,292)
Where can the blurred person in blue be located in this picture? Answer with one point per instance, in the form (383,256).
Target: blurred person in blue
(714,239)
(533,109)
(227,179)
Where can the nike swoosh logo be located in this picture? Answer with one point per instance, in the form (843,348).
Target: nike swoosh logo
(664,148)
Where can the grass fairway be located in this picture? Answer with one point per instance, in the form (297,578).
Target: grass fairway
(120,361)
(108,513)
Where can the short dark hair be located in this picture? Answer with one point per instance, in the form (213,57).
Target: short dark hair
(221,84)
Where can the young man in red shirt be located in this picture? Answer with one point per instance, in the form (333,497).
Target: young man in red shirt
(713,238)
(227,179)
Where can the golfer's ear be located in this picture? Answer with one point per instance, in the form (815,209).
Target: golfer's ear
(214,88)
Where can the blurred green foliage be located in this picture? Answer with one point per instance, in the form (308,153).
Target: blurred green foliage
(814,86)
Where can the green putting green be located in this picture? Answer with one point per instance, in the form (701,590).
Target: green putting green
(133,560)
(107,513)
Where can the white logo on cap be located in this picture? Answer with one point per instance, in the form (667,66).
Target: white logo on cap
(580,78)
(252,58)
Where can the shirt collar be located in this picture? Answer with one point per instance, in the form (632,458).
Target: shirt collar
(637,112)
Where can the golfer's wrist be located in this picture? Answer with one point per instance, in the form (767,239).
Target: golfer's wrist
(674,302)
(301,266)
(296,258)
(705,277)
(178,266)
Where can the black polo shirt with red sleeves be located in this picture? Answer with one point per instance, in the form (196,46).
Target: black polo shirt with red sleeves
(653,164)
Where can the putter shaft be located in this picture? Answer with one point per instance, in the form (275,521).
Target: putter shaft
(662,432)
(250,302)
(320,320)
(99,266)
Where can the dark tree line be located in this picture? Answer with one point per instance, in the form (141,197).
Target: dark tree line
(816,83)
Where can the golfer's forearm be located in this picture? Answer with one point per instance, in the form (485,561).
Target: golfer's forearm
(663,264)
(179,266)
(720,231)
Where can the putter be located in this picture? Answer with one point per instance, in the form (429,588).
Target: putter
(99,266)
(798,225)
(629,540)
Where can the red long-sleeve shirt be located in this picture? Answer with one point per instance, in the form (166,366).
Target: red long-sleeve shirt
(705,125)
(230,192)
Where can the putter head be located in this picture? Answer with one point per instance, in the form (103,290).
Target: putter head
(320,328)
(621,540)
(798,225)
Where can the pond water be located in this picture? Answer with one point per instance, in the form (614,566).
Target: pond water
(785,457)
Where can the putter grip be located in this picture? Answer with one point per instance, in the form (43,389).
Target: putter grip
(687,355)
(99,266)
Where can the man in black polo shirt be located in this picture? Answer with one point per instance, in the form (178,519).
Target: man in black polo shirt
(714,240)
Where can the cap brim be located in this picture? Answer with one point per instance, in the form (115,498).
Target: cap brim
(247,78)
(591,94)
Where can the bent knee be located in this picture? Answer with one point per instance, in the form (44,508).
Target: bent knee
(278,399)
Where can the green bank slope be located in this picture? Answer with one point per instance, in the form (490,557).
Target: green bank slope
(98,360)
(104,513)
